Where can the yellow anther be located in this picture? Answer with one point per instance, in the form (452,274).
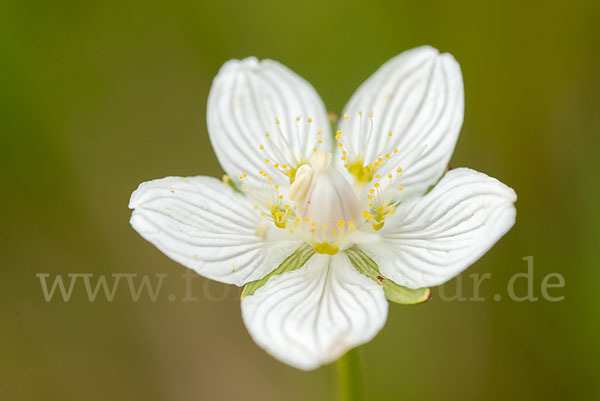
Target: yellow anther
(376,185)
(341,223)
(261,147)
(345,116)
(399,170)
(390,133)
(309,120)
(377,176)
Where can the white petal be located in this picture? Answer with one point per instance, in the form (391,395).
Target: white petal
(246,99)
(313,315)
(432,239)
(204,225)
(417,96)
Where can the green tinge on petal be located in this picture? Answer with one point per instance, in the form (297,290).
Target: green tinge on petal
(393,292)
(293,262)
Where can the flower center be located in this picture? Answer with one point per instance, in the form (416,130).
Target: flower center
(326,205)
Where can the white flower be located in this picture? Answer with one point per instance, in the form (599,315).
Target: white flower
(310,224)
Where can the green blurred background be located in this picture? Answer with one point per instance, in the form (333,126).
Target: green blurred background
(98,96)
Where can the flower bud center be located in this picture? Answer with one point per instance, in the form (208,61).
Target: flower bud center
(326,204)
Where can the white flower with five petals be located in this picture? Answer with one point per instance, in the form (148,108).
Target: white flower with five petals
(321,231)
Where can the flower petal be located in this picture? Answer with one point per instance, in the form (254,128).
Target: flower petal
(247,100)
(206,226)
(432,239)
(418,97)
(313,315)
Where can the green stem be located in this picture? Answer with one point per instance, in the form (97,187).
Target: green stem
(350,376)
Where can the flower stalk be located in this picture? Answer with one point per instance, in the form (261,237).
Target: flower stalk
(350,376)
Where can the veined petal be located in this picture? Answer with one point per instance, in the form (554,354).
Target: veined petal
(313,315)
(263,117)
(430,240)
(206,226)
(417,103)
